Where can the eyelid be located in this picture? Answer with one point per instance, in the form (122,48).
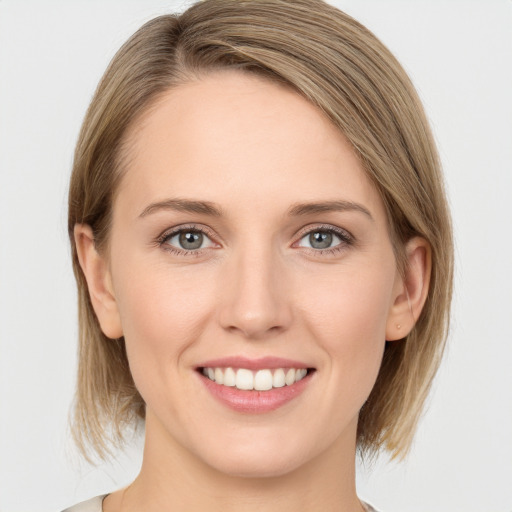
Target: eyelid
(312,228)
(171,232)
(346,238)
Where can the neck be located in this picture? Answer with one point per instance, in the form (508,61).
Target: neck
(174,479)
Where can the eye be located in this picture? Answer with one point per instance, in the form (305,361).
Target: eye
(187,240)
(325,238)
(319,240)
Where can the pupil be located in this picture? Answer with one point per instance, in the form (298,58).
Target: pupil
(191,240)
(320,240)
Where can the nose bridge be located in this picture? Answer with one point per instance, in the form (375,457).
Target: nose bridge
(255,302)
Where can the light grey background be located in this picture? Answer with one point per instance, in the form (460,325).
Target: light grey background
(459,54)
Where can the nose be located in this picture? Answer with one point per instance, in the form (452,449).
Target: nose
(255,296)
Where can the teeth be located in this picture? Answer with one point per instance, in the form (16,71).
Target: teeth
(290,377)
(229,377)
(278,380)
(300,374)
(244,379)
(219,376)
(262,380)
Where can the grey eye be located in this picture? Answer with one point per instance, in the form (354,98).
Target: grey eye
(189,240)
(320,239)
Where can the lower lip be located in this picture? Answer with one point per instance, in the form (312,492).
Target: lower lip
(255,402)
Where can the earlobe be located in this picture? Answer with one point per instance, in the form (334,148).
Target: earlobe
(99,281)
(410,291)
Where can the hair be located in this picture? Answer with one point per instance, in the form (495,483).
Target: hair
(342,68)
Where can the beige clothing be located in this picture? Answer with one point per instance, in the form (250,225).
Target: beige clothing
(92,505)
(95,505)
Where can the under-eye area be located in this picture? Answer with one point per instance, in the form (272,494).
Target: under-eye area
(257,380)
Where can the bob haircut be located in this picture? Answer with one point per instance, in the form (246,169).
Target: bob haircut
(342,68)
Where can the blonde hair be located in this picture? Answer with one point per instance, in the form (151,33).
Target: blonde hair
(343,69)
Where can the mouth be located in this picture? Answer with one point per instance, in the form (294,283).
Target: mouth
(255,385)
(263,379)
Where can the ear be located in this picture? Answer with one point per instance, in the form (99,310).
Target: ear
(410,291)
(99,281)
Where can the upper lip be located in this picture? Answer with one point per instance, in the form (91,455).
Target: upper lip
(267,362)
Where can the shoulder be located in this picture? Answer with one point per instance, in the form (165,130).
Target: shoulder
(368,507)
(92,505)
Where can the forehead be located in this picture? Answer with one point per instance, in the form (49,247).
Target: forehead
(241,140)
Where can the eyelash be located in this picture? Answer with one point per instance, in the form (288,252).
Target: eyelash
(346,240)
(167,235)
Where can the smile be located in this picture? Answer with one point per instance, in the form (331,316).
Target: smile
(255,386)
(260,380)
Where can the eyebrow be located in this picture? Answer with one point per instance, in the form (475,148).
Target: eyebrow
(183,205)
(300,209)
(296,210)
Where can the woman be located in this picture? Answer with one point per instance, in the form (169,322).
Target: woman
(263,254)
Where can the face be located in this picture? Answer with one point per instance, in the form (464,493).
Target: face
(249,249)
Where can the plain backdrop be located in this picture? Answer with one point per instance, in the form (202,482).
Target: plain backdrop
(459,55)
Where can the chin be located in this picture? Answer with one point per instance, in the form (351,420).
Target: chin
(256,467)
(255,460)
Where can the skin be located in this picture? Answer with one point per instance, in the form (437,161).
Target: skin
(254,149)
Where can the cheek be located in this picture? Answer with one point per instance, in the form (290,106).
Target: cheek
(163,311)
(347,316)
(351,303)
